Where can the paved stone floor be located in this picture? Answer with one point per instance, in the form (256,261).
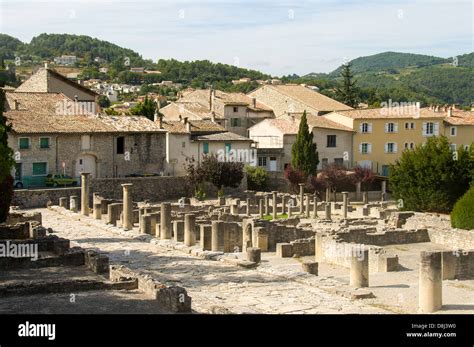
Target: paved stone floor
(209,283)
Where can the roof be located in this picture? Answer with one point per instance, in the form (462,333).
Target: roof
(225,136)
(25,122)
(39,103)
(39,82)
(197,126)
(321,122)
(394,113)
(309,97)
(460,118)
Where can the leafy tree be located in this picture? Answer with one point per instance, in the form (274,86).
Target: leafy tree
(304,155)
(431,177)
(462,216)
(294,177)
(363,175)
(104,101)
(146,108)
(347,93)
(6,164)
(257,178)
(334,177)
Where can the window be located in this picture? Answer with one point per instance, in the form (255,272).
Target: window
(205,148)
(262,161)
(235,122)
(331,142)
(40,169)
(430,129)
(453,131)
(390,147)
(409,125)
(120,145)
(85,142)
(366,128)
(412,126)
(228,147)
(236,109)
(391,127)
(365,148)
(412,145)
(44,142)
(453,147)
(324,162)
(24,142)
(407,145)
(18,171)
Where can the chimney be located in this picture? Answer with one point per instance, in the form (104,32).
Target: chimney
(450,111)
(211,99)
(436,108)
(254,102)
(45,64)
(16,105)
(160,122)
(188,125)
(213,117)
(155,117)
(180,118)
(75,98)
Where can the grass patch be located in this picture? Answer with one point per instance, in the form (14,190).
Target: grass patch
(279,216)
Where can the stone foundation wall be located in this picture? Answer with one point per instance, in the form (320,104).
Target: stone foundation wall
(388,237)
(455,238)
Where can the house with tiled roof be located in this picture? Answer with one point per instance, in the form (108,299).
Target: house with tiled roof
(234,111)
(382,134)
(295,98)
(193,138)
(51,135)
(46,80)
(274,139)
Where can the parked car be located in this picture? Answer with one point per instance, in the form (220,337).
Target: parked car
(59,180)
(18,183)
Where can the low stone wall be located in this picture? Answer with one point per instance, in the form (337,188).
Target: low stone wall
(453,238)
(31,198)
(369,236)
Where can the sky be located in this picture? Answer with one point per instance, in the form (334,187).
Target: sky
(276,37)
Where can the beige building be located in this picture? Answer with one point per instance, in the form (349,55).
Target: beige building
(295,98)
(275,137)
(186,139)
(45,141)
(46,80)
(381,135)
(236,112)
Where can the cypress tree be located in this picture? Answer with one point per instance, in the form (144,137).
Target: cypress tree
(304,155)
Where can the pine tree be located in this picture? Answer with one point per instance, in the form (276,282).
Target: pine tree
(6,164)
(347,94)
(304,155)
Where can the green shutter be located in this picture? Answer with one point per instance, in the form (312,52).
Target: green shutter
(39,169)
(205,148)
(44,142)
(24,143)
(228,147)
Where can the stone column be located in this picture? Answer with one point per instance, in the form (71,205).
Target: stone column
(234,209)
(266,205)
(217,241)
(365,198)
(301,197)
(206,237)
(358,190)
(74,203)
(360,269)
(308,205)
(96,206)
(190,229)
(146,226)
(289,208)
(345,200)
(254,254)
(260,208)
(248,207)
(127,222)
(165,221)
(315,207)
(178,230)
(283,204)
(384,191)
(310,267)
(430,287)
(328,210)
(113,213)
(274,203)
(63,202)
(85,193)
(328,194)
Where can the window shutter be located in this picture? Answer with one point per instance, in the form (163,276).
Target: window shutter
(361,127)
(369,127)
(395,127)
(369,148)
(424,131)
(436,128)
(360,147)
(386,148)
(386,127)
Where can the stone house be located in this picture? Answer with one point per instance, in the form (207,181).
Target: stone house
(46,141)
(275,138)
(236,112)
(186,139)
(295,98)
(47,80)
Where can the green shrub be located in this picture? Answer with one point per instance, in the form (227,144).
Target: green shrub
(462,216)
(257,178)
(431,178)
